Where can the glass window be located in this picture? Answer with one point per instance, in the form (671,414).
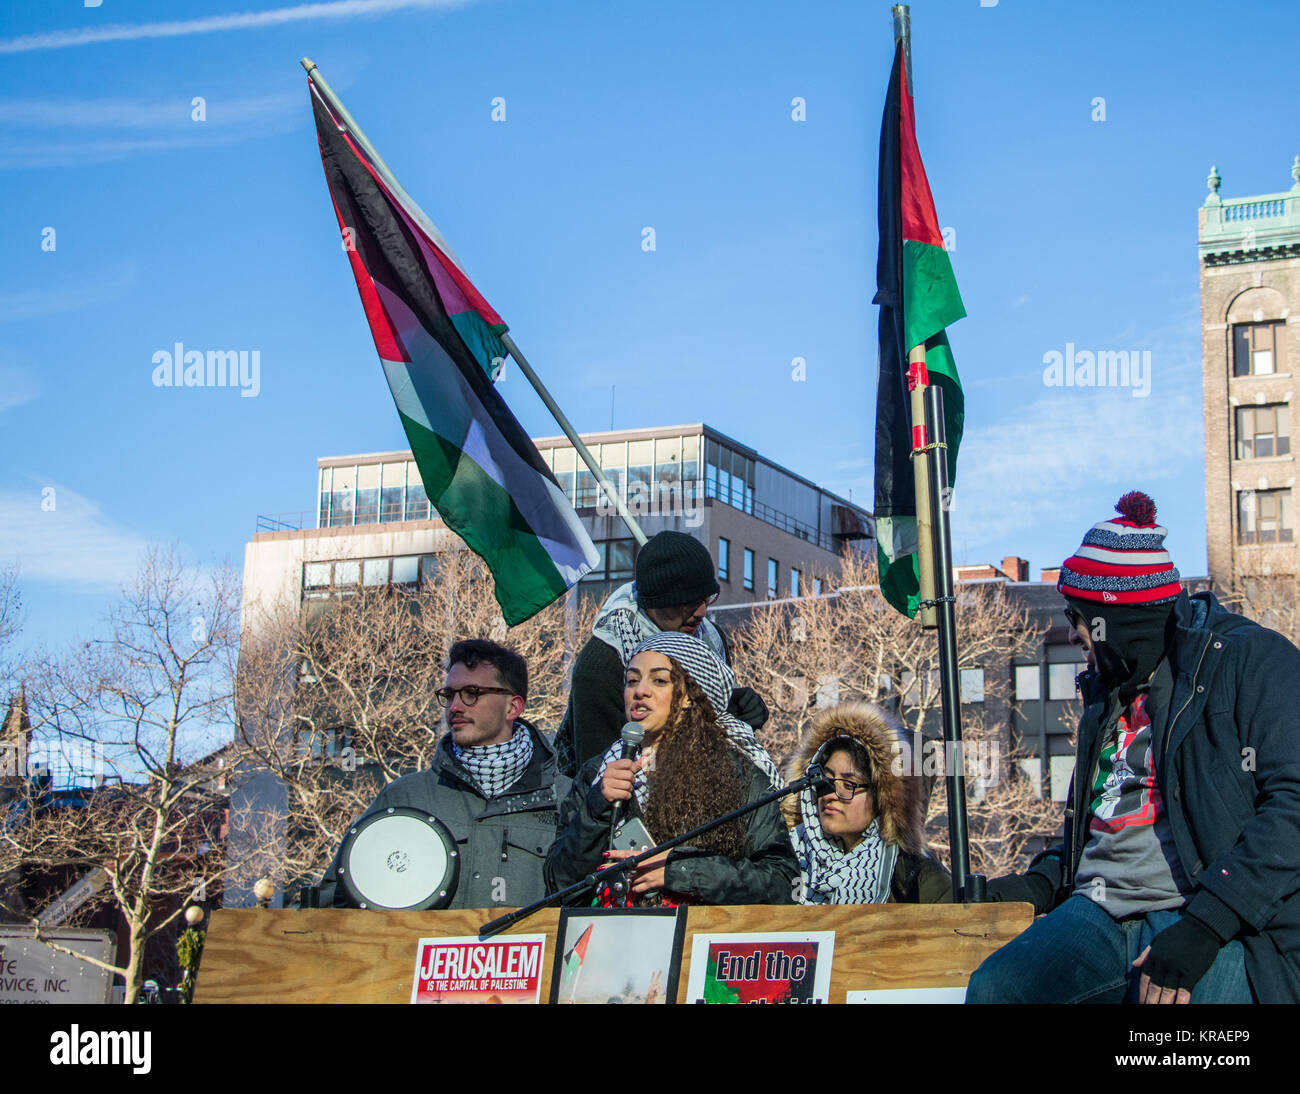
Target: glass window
(668,459)
(417,501)
(324,519)
(406,570)
(690,466)
(1264,516)
(347,573)
(342,496)
(393,484)
(640,465)
(613,461)
(1027,682)
(374,571)
(620,556)
(367,493)
(771,578)
(1257,349)
(724,559)
(817,586)
(971,682)
(428,569)
(794,581)
(563,468)
(1263,431)
(749,569)
(597,572)
(1060,680)
(316,575)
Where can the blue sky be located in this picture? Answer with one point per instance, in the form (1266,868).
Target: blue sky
(673,115)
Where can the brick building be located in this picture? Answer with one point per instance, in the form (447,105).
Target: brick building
(1249,252)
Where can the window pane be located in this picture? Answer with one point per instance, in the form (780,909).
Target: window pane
(724,559)
(817,586)
(406,570)
(794,581)
(367,493)
(1060,680)
(417,502)
(347,573)
(316,575)
(374,571)
(341,496)
(972,685)
(1027,682)
(1262,362)
(428,569)
(771,577)
(749,569)
(621,553)
(597,572)
(1241,350)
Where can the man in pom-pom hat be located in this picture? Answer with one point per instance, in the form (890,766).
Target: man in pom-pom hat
(1179,876)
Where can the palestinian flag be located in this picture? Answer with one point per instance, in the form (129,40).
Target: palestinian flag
(918,298)
(440,344)
(574,958)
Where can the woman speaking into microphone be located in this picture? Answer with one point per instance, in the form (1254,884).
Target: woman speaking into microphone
(697,762)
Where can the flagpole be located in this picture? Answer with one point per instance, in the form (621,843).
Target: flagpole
(336,104)
(934,561)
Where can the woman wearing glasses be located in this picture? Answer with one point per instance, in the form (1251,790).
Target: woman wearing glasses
(697,762)
(859,837)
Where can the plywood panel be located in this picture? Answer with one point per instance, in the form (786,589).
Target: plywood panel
(329,955)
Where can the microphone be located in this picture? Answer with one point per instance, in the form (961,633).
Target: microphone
(632,736)
(820,785)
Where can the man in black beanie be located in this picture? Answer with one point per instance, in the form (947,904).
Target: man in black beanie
(1179,877)
(675,584)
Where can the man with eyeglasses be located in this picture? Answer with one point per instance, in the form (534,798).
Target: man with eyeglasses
(1179,876)
(493,782)
(676,582)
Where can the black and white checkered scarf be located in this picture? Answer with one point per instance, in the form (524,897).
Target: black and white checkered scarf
(494,769)
(717,681)
(831,874)
(623,625)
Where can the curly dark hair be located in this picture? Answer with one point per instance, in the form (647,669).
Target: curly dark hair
(697,774)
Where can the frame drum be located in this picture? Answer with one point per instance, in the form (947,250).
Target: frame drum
(400,860)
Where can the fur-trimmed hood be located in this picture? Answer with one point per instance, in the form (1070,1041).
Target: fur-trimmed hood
(898,796)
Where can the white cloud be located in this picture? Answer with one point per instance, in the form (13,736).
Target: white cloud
(172,112)
(1030,470)
(17,386)
(38,303)
(74,544)
(250,20)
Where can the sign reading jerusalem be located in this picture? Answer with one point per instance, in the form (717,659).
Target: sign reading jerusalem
(467,970)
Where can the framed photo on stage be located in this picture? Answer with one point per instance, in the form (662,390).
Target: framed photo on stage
(618,955)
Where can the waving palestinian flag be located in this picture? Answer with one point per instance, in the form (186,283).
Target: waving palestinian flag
(440,345)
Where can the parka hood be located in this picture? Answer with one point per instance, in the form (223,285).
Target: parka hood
(898,796)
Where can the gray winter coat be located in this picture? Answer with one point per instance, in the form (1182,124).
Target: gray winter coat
(503,842)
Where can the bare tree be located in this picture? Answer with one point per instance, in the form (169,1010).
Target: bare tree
(146,712)
(336,699)
(852,645)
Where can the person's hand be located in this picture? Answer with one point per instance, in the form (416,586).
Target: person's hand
(646,876)
(616,783)
(1176,959)
(747,705)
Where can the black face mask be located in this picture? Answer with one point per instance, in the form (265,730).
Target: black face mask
(1135,639)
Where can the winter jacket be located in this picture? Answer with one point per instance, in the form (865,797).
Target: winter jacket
(1226,742)
(594,716)
(919,877)
(503,842)
(767,875)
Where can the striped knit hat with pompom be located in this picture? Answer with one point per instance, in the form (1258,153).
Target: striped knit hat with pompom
(1123,561)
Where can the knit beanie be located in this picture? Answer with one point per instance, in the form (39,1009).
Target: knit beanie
(1123,561)
(674,568)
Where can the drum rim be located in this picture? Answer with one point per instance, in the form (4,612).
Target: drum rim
(443,893)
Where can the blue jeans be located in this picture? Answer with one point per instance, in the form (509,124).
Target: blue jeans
(1078,954)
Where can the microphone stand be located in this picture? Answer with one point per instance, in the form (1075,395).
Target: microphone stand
(612,872)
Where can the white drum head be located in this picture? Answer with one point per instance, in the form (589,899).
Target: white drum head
(401,859)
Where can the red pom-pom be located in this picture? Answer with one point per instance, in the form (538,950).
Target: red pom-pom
(1136,507)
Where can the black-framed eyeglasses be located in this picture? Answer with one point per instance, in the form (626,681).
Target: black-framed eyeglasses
(846,789)
(688,610)
(468,694)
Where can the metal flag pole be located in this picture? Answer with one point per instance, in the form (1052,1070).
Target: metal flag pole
(390,180)
(918,380)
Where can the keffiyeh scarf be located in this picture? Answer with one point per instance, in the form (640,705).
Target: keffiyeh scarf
(717,681)
(624,626)
(494,769)
(832,875)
